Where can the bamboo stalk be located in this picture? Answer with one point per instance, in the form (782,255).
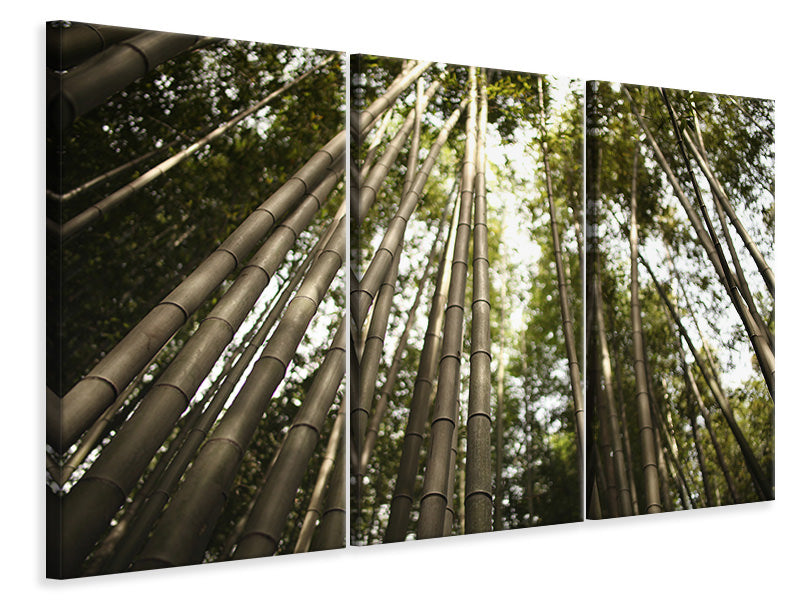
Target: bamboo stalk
(434,495)
(123,461)
(478,501)
(99,209)
(366,118)
(68,417)
(185,528)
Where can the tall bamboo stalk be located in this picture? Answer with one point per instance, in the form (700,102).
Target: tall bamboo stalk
(331,531)
(68,417)
(362,295)
(735,288)
(716,188)
(368,190)
(137,441)
(478,501)
(365,119)
(403,495)
(566,312)
(762,484)
(262,531)
(99,209)
(434,494)
(646,430)
(316,504)
(185,528)
(387,388)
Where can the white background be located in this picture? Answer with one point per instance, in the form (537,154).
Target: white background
(746,48)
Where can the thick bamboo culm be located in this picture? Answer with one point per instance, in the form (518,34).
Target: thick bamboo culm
(316,505)
(478,491)
(262,531)
(646,430)
(419,408)
(69,43)
(435,483)
(362,295)
(68,417)
(79,90)
(330,533)
(185,528)
(166,483)
(92,502)
(99,209)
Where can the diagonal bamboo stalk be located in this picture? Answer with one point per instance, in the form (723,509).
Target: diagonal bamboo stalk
(362,295)
(331,531)
(316,505)
(764,353)
(478,500)
(403,495)
(434,494)
(100,209)
(185,528)
(369,189)
(366,119)
(117,469)
(68,417)
(261,534)
(761,263)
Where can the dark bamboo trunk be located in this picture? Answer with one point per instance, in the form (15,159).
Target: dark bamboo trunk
(185,528)
(435,483)
(478,501)
(69,417)
(647,434)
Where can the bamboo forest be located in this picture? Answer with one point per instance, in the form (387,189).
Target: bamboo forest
(466,220)
(195,346)
(680,299)
(298,300)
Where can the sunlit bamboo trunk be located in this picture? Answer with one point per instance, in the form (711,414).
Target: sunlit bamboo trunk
(368,190)
(365,119)
(68,417)
(419,408)
(478,501)
(434,493)
(99,209)
(185,528)
(646,431)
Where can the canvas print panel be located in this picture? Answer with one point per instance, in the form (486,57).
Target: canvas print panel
(466,408)
(680,299)
(195,251)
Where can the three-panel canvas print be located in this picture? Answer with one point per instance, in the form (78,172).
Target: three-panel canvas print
(301,300)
